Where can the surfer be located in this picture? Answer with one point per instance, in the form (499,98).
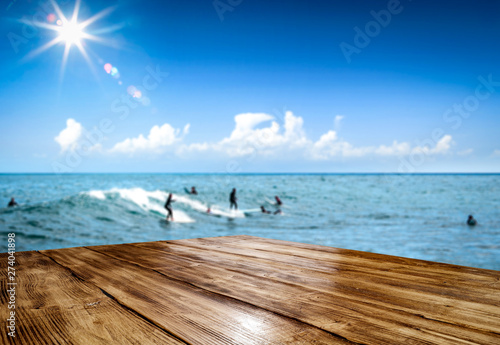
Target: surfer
(168,207)
(233,199)
(12,203)
(278,204)
(471,221)
(278,201)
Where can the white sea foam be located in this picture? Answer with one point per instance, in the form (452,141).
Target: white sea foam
(143,199)
(98,194)
(228,214)
(153,201)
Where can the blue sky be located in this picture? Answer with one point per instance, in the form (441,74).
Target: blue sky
(251,86)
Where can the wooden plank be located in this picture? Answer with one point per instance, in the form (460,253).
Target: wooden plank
(334,310)
(337,255)
(385,292)
(248,290)
(472,284)
(55,307)
(193,314)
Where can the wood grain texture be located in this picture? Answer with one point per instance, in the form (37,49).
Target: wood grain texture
(248,290)
(55,307)
(327,301)
(193,314)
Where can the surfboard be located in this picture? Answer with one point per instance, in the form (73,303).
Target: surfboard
(269,201)
(179,221)
(213,214)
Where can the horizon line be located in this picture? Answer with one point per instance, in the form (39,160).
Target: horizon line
(256,173)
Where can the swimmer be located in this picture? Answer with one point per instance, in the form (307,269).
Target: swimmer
(193,191)
(12,203)
(278,211)
(471,221)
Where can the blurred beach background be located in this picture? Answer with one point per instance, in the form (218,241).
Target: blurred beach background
(419,216)
(396,102)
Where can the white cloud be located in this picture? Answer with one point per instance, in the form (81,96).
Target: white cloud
(158,139)
(246,139)
(68,138)
(76,138)
(290,140)
(330,149)
(200,147)
(442,147)
(329,146)
(496,153)
(396,149)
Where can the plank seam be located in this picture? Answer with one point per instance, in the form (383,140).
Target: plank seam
(147,320)
(457,324)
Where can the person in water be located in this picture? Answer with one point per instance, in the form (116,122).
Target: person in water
(12,203)
(233,199)
(471,221)
(168,207)
(278,201)
(262,208)
(193,191)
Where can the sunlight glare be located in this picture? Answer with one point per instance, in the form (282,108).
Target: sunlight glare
(71,33)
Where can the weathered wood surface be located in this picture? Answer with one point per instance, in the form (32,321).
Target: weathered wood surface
(246,290)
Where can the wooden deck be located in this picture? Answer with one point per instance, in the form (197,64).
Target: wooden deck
(245,290)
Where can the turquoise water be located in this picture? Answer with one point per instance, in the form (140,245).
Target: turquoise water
(417,216)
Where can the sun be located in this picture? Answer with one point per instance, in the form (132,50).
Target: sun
(71,32)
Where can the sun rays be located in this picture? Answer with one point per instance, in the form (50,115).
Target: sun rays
(70,32)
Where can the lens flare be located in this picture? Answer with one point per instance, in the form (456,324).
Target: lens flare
(51,18)
(134,92)
(108,67)
(114,73)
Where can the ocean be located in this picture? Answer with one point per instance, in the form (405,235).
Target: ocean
(420,216)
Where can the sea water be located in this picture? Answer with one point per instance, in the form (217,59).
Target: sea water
(415,216)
